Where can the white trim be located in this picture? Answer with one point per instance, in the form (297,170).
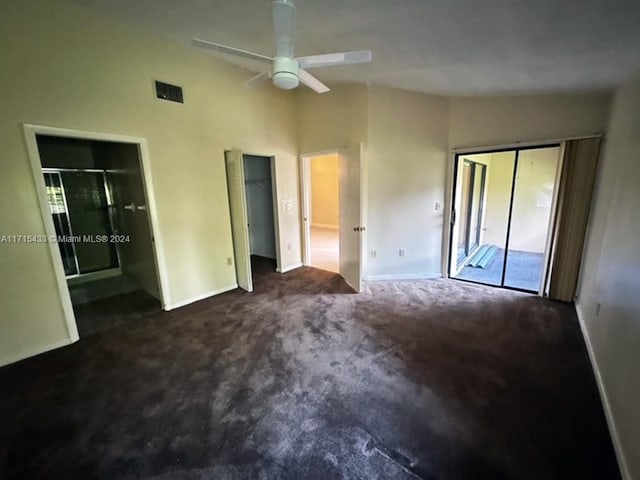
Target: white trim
(617,446)
(36,351)
(197,298)
(532,143)
(30,132)
(290,267)
(328,226)
(404,276)
(275,201)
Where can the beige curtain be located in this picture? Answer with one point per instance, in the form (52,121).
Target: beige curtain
(574,203)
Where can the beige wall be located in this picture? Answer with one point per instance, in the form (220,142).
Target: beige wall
(407,156)
(77,70)
(489,121)
(324,190)
(608,294)
(333,120)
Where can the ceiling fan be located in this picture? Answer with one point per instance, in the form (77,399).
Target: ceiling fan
(288,71)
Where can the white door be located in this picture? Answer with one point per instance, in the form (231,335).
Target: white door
(239,218)
(352,230)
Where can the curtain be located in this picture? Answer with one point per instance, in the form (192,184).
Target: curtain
(574,204)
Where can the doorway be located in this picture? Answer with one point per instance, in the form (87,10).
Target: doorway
(342,172)
(97,218)
(259,197)
(501,216)
(252,189)
(324,212)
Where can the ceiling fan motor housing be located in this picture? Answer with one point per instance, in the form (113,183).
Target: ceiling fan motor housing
(285,72)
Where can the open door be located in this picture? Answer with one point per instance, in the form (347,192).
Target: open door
(351,206)
(239,218)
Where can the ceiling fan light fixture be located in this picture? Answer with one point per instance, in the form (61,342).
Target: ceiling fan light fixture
(285,73)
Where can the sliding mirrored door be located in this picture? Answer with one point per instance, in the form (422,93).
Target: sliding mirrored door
(530,215)
(500,217)
(80,205)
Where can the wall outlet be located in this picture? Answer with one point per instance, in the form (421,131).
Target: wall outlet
(401,252)
(373,254)
(229,261)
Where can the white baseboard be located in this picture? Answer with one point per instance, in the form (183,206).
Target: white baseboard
(603,397)
(197,298)
(404,276)
(290,267)
(36,351)
(325,225)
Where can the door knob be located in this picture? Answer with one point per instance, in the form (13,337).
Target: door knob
(359,229)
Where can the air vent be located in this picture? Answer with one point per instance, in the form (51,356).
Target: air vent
(165,91)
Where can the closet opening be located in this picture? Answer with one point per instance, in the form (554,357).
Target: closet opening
(96,199)
(503,209)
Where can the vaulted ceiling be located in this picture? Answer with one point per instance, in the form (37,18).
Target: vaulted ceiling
(448,47)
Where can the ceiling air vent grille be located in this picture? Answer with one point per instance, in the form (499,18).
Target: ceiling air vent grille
(166,91)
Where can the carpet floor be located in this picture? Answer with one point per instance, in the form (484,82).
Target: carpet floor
(433,379)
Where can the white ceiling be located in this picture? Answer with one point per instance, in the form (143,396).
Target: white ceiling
(449,47)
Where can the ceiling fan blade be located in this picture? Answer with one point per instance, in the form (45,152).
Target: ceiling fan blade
(238,52)
(283,26)
(335,59)
(258,79)
(312,82)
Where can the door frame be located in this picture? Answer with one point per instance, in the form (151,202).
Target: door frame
(451,199)
(305,202)
(30,132)
(274,200)
(305,198)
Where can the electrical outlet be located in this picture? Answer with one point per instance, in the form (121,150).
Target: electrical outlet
(229,261)
(401,252)
(373,254)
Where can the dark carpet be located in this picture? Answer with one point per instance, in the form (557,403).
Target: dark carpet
(107,313)
(100,305)
(432,379)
